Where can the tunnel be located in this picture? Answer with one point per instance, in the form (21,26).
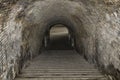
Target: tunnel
(60,39)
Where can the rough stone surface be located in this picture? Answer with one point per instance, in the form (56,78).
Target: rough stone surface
(10,41)
(94,23)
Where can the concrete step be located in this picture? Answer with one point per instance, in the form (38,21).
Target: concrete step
(60,78)
(48,69)
(60,65)
(33,75)
(60,71)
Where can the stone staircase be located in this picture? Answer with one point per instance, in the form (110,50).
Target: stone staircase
(60,65)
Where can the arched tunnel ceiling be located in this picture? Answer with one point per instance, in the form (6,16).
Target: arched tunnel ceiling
(71,13)
(53,9)
(46,13)
(50,12)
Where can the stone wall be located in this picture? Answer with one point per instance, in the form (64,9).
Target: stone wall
(108,42)
(10,44)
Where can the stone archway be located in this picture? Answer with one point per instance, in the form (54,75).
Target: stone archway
(59,37)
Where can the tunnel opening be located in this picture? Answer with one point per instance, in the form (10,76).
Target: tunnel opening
(58,37)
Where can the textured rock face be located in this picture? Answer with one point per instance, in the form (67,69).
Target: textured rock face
(94,23)
(108,41)
(10,41)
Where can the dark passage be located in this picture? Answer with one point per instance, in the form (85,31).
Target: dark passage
(59,61)
(60,38)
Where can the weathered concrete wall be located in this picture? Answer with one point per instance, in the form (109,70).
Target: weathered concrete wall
(94,23)
(10,44)
(108,46)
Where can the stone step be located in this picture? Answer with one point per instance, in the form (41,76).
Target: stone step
(60,65)
(61,75)
(58,71)
(60,78)
(57,67)
(61,70)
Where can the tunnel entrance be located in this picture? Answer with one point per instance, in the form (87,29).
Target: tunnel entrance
(59,60)
(59,37)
